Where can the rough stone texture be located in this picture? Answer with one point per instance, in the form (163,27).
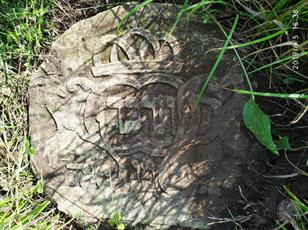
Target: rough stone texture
(113,120)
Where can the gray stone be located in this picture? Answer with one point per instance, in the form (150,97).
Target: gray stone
(113,119)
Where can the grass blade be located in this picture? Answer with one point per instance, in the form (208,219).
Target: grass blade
(257,40)
(180,14)
(132,12)
(217,62)
(278,62)
(278,95)
(236,53)
(35,212)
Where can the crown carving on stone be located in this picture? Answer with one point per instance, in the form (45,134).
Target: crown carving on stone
(144,53)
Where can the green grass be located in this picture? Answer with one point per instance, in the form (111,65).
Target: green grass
(23,31)
(298,218)
(220,56)
(260,33)
(269,26)
(23,27)
(269,29)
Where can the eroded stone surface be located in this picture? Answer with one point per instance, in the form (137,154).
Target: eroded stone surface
(113,120)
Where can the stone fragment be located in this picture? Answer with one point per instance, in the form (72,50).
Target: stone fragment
(113,119)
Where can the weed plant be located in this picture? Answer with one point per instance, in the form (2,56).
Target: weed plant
(269,38)
(24,31)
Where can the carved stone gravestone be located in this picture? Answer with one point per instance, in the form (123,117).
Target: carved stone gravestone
(114,122)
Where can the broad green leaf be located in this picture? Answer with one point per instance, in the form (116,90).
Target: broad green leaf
(283,143)
(29,149)
(259,124)
(39,188)
(121,226)
(117,218)
(111,222)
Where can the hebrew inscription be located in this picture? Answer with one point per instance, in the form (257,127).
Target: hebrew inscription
(114,121)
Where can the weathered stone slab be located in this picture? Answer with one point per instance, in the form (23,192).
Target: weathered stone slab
(113,120)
